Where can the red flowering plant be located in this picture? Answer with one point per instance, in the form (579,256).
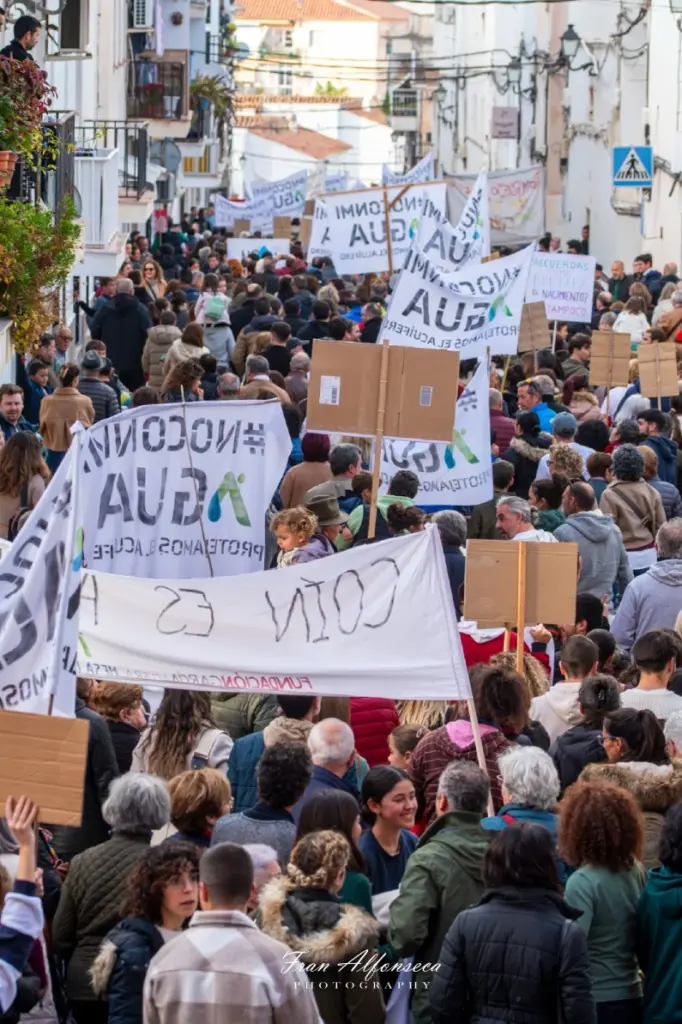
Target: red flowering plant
(24,99)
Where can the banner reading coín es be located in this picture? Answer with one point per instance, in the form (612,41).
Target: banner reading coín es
(346,625)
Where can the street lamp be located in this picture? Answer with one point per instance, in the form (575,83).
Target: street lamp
(439,94)
(570,44)
(514,72)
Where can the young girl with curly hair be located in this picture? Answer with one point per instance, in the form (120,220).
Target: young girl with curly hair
(601,835)
(162,894)
(299,538)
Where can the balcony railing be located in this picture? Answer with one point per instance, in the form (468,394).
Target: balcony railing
(404,103)
(218,50)
(156,89)
(132,142)
(51,180)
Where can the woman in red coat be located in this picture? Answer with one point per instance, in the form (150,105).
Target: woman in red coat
(372,719)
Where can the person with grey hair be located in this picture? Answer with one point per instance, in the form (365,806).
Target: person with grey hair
(636,507)
(515,521)
(530,790)
(92,895)
(345,460)
(122,324)
(228,386)
(265,867)
(671,322)
(654,598)
(296,381)
(258,383)
(452,527)
(332,748)
(607,320)
(443,876)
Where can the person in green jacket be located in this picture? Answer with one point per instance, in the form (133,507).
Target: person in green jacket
(402,490)
(336,810)
(546,495)
(240,714)
(443,875)
(659,928)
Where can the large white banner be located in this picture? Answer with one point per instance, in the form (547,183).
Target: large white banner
(286,197)
(450,248)
(239,248)
(517,203)
(422,171)
(343,625)
(336,183)
(351,227)
(40,577)
(565,284)
(476,308)
(180,491)
(256,211)
(459,473)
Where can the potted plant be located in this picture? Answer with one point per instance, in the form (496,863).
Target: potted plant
(24,98)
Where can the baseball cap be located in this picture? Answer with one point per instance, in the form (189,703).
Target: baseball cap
(564,423)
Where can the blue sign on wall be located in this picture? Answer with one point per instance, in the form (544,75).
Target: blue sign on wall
(633,166)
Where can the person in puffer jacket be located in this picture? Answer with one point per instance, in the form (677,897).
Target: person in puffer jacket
(156,347)
(162,894)
(372,719)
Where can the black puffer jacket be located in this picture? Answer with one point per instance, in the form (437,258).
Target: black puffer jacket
(121,965)
(122,324)
(573,750)
(525,453)
(516,957)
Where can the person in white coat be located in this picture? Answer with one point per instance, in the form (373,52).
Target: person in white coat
(514,518)
(558,709)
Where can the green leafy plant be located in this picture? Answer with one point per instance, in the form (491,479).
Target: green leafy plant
(215,91)
(329,89)
(25,97)
(36,257)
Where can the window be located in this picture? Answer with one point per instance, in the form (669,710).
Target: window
(311,38)
(285,81)
(73,25)
(288,39)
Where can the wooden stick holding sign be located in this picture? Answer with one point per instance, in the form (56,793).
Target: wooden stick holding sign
(379,441)
(521,606)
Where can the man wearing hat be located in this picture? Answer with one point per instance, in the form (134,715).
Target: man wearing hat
(330,519)
(103,397)
(564,426)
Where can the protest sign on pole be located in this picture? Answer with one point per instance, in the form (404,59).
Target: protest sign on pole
(534,329)
(241,248)
(343,626)
(181,491)
(458,473)
(516,199)
(450,248)
(565,283)
(230,214)
(422,171)
(350,227)
(336,183)
(285,197)
(475,309)
(39,592)
(658,370)
(610,359)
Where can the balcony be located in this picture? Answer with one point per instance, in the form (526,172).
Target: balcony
(205,170)
(158,93)
(132,142)
(53,179)
(404,110)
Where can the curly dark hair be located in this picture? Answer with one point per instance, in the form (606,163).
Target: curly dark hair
(283,773)
(160,866)
(601,825)
(522,856)
(499,696)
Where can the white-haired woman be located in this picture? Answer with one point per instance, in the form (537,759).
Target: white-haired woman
(452,527)
(530,790)
(93,892)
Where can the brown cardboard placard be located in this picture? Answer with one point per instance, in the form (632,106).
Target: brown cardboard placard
(44,758)
(492,576)
(534,327)
(309,208)
(343,393)
(241,225)
(282,227)
(610,359)
(658,370)
(305,231)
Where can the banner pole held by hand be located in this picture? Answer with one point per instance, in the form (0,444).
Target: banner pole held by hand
(379,441)
(194,481)
(507,364)
(480,755)
(554,337)
(521,607)
(507,637)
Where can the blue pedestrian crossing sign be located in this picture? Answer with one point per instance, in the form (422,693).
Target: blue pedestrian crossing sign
(633,166)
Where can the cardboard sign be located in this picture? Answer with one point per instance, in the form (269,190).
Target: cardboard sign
(343,394)
(565,282)
(44,758)
(610,359)
(534,328)
(241,225)
(492,577)
(658,370)
(282,227)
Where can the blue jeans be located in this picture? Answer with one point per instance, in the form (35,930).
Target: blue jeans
(53,460)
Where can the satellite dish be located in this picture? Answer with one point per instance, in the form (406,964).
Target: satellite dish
(165,153)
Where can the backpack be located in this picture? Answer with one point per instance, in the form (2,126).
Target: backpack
(215,308)
(20,516)
(202,751)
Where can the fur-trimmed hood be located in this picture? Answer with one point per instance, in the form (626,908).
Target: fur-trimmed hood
(103,967)
(654,787)
(323,931)
(531,450)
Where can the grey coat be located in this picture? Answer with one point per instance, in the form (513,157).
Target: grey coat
(652,601)
(260,824)
(603,557)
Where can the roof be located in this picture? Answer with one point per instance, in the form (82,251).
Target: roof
(376,115)
(319,10)
(257,101)
(303,140)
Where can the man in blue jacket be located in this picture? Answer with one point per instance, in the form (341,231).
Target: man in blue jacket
(657,428)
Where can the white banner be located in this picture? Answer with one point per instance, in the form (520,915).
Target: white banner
(451,248)
(450,474)
(176,491)
(336,183)
(516,199)
(422,171)
(478,307)
(351,227)
(256,211)
(286,197)
(40,577)
(344,625)
(565,284)
(239,248)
